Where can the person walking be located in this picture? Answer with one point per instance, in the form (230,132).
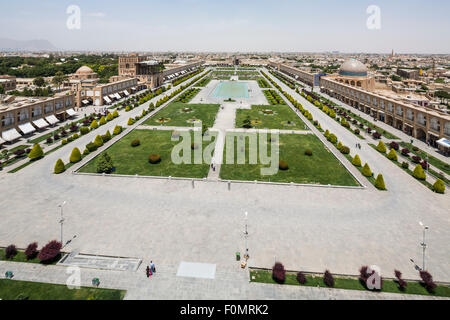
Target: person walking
(148,272)
(152,267)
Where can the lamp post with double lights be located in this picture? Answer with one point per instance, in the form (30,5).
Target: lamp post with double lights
(61,221)
(423,244)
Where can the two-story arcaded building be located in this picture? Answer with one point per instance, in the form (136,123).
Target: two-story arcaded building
(22,116)
(353,87)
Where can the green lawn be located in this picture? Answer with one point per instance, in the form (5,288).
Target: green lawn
(18,290)
(320,168)
(130,160)
(174,115)
(282,117)
(265,276)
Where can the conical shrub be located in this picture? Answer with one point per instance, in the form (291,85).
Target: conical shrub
(379,182)
(439,186)
(98,141)
(356,161)
(381,147)
(366,170)
(94,125)
(36,152)
(75,156)
(59,167)
(392,155)
(418,173)
(102,120)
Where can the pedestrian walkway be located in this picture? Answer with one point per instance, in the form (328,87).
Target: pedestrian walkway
(164,284)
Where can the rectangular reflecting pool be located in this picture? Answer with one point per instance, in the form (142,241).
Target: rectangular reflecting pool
(231,89)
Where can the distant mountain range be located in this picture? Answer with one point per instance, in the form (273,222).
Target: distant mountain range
(26,45)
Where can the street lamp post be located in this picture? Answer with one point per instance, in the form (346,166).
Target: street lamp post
(61,221)
(423,244)
(246,236)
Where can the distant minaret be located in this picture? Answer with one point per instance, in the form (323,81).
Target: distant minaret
(392,54)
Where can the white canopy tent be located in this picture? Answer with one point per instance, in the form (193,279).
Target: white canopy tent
(40,123)
(11,135)
(52,119)
(71,112)
(27,128)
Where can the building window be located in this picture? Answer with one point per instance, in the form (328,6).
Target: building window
(390,107)
(7,119)
(434,124)
(421,119)
(58,105)
(447,128)
(68,102)
(22,115)
(48,108)
(399,111)
(36,111)
(409,115)
(381,104)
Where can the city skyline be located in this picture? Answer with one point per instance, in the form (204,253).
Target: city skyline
(209,26)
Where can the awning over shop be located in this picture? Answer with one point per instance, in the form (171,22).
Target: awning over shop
(40,123)
(71,112)
(134,88)
(27,128)
(444,142)
(108,100)
(433,134)
(85,101)
(112,96)
(126,92)
(2,141)
(118,97)
(52,119)
(11,135)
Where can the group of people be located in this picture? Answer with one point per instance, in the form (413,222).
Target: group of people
(213,167)
(358,145)
(150,269)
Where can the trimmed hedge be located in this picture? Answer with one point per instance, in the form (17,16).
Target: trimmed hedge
(381,147)
(36,153)
(366,170)
(75,156)
(392,155)
(418,172)
(439,186)
(98,141)
(154,158)
(59,167)
(379,182)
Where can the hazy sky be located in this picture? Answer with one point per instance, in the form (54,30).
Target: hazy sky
(244,25)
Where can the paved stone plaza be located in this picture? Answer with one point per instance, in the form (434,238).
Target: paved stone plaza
(170,221)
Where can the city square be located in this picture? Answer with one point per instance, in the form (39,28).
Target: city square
(221,168)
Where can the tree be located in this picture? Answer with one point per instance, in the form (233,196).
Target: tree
(392,155)
(117,130)
(109,117)
(356,161)
(278,273)
(102,120)
(381,147)
(31,251)
(75,156)
(439,186)
(94,125)
(59,167)
(98,141)
(115,114)
(104,164)
(418,172)
(2,90)
(379,182)
(39,82)
(50,251)
(366,170)
(59,79)
(36,153)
